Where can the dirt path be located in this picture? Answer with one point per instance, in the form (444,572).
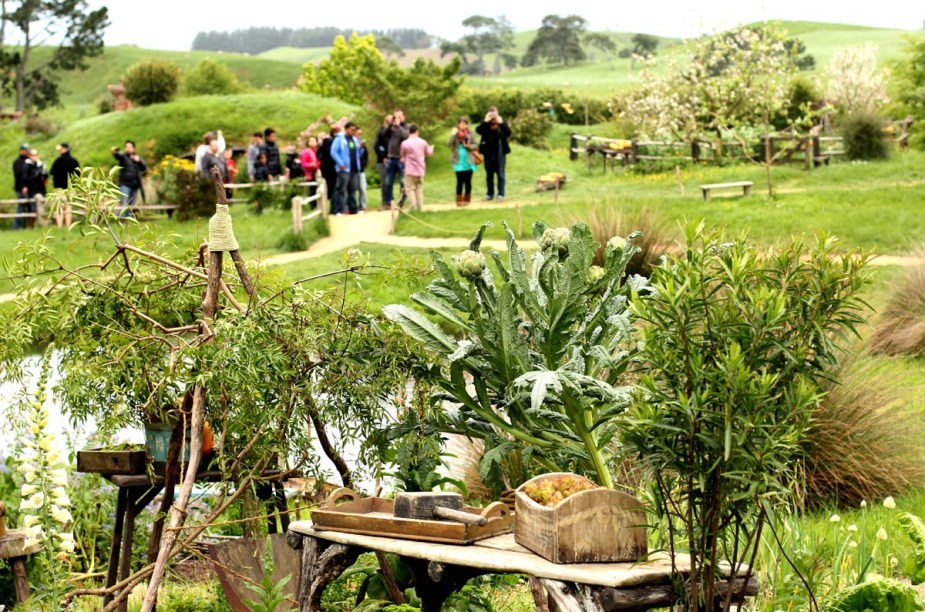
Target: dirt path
(375,227)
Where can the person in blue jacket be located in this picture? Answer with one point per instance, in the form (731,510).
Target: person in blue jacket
(346,153)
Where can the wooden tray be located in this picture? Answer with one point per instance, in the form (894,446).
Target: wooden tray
(374,516)
(107,461)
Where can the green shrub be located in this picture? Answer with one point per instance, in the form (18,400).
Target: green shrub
(900,329)
(863,442)
(801,96)
(863,134)
(734,346)
(531,129)
(152,82)
(885,594)
(104,104)
(210,77)
(176,182)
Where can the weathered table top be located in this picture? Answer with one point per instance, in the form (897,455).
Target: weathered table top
(503,555)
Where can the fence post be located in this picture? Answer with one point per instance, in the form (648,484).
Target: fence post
(572,147)
(808,159)
(296,215)
(40,209)
(634,152)
(323,198)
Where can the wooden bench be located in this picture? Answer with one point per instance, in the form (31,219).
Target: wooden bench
(745,185)
(441,569)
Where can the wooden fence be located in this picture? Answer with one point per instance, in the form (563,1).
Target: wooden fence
(298,204)
(785,147)
(39,215)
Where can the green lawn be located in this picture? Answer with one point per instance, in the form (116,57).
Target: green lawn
(875,205)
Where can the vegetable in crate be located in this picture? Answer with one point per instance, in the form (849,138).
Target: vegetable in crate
(551,491)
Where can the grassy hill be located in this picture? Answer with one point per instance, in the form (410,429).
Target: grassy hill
(175,127)
(84,87)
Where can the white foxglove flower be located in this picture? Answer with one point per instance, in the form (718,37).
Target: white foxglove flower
(62,515)
(28,489)
(29,520)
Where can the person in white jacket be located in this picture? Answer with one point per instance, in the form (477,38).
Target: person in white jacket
(206,147)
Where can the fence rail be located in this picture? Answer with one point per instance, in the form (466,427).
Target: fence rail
(39,214)
(811,150)
(298,204)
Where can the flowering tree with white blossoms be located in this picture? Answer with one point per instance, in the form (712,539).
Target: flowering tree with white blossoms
(856,82)
(45,502)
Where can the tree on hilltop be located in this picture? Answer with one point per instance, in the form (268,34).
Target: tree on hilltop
(488,35)
(558,41)
(73,32)
(601,41)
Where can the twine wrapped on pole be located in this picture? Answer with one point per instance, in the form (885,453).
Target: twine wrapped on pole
(221,233)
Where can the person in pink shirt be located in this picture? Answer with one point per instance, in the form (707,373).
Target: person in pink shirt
(413,152)
(309,159)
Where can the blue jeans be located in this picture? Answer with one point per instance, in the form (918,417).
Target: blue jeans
(345,194)
(392,167)
(129,196)
(22,208)
(495,166)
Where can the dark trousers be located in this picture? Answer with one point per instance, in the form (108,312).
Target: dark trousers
(393,168)
(23,208)
(494,166)
(464,182)
(345,195)
(330,184)
(381,168)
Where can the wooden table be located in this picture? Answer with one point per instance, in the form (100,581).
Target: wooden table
(441,569)
(13,547)
(136,491)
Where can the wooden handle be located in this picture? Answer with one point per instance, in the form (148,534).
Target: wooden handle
(2,519)
(495,510)
(459,516)
(340,494)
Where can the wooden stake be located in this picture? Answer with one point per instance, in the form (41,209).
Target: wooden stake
(677,173)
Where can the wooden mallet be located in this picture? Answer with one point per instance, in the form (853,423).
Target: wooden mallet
(430,506)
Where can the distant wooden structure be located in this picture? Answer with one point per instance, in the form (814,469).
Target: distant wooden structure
(13,548)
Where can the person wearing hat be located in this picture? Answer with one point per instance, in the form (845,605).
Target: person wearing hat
(63,167)
(133,168)
(22,190)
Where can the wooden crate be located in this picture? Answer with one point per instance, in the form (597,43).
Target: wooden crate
(596,526)
(108,461)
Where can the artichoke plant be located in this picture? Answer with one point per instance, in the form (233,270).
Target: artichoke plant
(545,346)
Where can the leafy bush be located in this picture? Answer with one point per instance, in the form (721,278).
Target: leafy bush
(884,594)
(651,235)
(543,349)
(913,527)
(862,444)
(901,326)
(568,109)
(531,128)
(734,346)
(863,134)
(39,126)
(104,104)
(177,182)
(152,82)
(311,232)
(210,77)
(801,96)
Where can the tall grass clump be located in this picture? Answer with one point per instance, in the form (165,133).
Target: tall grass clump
(900,329)
(652,241)
(863,443)
(863,134)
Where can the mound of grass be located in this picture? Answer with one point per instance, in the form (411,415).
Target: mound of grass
(176,127)
(867,438)
(84,87)
(901,328)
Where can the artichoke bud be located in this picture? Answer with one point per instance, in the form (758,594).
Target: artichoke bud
(595,273)
(556,237)
(617,242)
(470,264)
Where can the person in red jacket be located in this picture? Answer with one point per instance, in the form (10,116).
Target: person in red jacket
(309,159)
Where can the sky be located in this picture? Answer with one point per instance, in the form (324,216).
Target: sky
(172,24)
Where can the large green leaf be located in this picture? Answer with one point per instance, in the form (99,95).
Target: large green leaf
(420,328)
(476,242)
(437,306)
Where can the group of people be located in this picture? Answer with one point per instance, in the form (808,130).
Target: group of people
(30,178)
(339,157)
